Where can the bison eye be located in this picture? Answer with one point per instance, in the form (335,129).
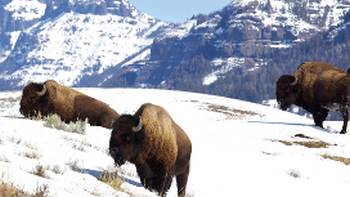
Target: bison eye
(126,137)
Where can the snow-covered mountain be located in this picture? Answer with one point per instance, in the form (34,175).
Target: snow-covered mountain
(71,39)
(239,149)
(232,45)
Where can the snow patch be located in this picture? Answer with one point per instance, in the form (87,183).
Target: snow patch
(26,10)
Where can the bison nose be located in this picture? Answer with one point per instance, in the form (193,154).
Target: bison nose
(21,110)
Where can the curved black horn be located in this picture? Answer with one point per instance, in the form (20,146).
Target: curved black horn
(138,127)
(293,83)
(42,92)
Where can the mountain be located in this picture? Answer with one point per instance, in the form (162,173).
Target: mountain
(239,149)
(67,40)
(233,52)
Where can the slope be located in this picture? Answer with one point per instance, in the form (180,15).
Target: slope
(239,149)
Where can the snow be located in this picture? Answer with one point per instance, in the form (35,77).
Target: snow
(221,67)
(282,14)
(14,38)
(26,10)
(182,30)
(68,46)
(235,149)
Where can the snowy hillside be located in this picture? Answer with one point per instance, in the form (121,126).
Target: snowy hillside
(239,149)
(73,39)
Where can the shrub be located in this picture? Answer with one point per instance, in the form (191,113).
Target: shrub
(10,190)
(54,121)
(112,179)
(39,171)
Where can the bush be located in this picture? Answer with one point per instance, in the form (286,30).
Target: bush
(10,190)
(54,121)
(112,179)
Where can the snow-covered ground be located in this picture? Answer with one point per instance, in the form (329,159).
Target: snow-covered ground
(237,149)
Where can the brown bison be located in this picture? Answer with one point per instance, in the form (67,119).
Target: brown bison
(157,146)
(318,88)
(71,105)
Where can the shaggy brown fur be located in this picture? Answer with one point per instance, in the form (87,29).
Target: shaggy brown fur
(69,104)
(318,87)
(159,150)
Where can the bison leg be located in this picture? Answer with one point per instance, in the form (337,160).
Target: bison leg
(165,185)
(181,181)
(319,117)
(345,121)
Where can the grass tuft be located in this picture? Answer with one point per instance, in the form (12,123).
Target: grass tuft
(308,144)
(343,160)
(32,155)
(39,171)
(112,179)
(230,113)
(54,121)
(8,190)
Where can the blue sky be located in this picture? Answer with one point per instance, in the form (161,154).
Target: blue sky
(178,10)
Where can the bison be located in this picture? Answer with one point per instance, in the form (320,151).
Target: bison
(157,146)
(52,98)
(317,87)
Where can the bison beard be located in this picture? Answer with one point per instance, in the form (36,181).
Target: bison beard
(318,88)
(157,146)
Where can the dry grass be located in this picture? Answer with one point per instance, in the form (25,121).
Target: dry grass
(57,169)
(32,155)
(8,102)
(7,190)
(343,160)
(39,171)
(54,121)
(308,144)
(230,113)
(41,191)
(112,179)
(74,166)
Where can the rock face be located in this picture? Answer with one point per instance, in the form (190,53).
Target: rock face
(232,52)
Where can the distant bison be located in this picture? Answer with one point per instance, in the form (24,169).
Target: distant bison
(157,146)
(71,105)
(318,88)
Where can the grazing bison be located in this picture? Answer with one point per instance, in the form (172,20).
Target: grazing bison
(157,146)
(71,105)
(318,88)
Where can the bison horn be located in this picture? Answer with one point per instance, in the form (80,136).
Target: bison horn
(138,127)
(42,92)
(294,82)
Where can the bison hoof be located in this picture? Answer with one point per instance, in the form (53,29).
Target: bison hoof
(342,132)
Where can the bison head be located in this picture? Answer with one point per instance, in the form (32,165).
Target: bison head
(286,91)
(127,139)
(33,98)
